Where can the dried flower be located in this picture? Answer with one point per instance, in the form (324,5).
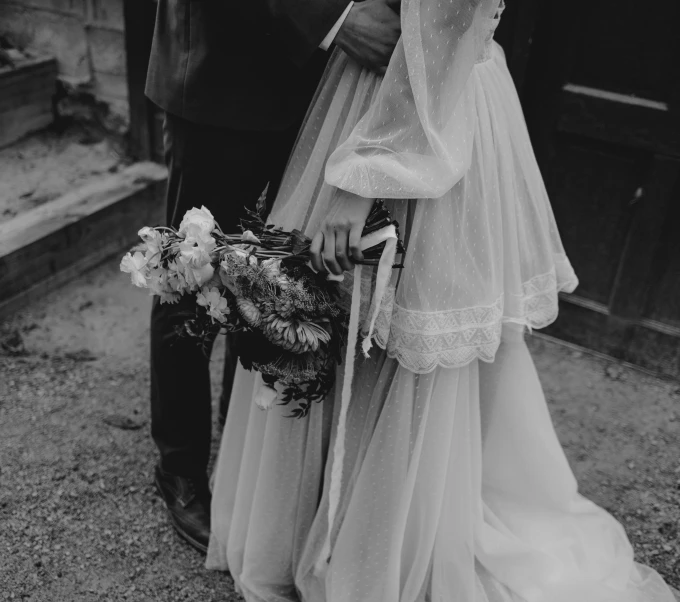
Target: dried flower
(249,311)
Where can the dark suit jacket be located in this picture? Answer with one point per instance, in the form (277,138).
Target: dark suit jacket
(243,64)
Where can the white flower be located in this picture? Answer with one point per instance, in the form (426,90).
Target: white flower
(159,283)
(197,277)
(197,221)
(215,303)
(195,250)
(248,236)
(154,242)
(135,265)
(169,297)
(265,397)
(176,280)
(149,234)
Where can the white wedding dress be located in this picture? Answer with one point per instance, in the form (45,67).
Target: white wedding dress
(455,487)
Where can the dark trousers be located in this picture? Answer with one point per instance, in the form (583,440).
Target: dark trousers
(225,170)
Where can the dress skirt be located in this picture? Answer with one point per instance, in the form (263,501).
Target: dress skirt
(456,489)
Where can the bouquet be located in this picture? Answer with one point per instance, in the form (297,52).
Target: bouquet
(258,282)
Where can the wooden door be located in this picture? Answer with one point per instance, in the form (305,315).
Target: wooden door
(602,101)
(145,136)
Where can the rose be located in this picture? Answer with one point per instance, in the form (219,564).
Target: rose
(182,277)
(216,305)
(196,248)
(197,277)
(197,221)
(136,266)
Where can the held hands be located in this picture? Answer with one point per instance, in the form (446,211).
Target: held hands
(337,242)
(370,33)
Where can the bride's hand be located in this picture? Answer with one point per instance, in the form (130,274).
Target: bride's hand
(337,242)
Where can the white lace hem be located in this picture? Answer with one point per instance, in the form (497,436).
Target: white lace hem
(423,341)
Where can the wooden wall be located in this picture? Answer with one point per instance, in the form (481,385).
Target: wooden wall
(87,37)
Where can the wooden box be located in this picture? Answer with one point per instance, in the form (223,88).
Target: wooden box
(26,93)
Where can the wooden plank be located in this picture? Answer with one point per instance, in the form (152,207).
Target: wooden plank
(632,124)
(25,67)
(42,221)
(39,245)
(55,280)
(635,341)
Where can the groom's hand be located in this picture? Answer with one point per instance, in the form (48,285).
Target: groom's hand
(370,33)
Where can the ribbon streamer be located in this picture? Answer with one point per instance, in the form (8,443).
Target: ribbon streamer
(389,236)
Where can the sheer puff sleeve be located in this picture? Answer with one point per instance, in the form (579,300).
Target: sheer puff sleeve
(415,141)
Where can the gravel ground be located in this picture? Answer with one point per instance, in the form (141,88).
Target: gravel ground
(79,518)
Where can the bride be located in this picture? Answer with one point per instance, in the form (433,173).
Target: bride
(444,481)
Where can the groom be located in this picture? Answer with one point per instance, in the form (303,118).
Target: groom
(234,80)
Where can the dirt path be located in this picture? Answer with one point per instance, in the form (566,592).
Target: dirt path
(79,519)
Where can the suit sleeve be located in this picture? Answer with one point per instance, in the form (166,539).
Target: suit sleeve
(300,26)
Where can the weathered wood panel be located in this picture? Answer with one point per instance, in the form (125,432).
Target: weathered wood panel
(26,93)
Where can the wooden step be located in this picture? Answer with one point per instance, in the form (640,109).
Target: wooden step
(45,247)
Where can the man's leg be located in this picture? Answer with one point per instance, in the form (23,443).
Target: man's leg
(225,171)
(281,145)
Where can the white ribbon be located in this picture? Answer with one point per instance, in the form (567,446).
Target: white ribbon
(389,236)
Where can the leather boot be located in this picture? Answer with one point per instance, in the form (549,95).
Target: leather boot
(188,502)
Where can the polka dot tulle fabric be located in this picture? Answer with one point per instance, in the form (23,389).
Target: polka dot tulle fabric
(455,487)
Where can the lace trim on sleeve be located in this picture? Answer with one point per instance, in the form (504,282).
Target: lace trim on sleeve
(422,341)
